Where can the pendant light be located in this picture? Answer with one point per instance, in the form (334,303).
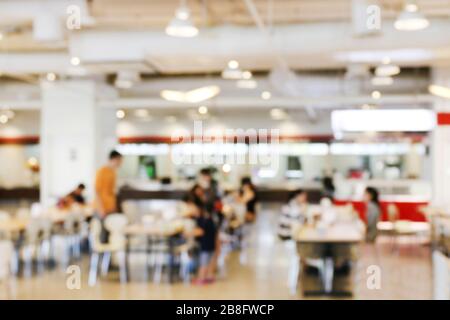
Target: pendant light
(181,24)
(411,19)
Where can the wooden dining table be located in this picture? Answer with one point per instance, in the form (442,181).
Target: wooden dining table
(329,238)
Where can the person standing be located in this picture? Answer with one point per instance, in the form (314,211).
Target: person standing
(105,189)
(373,213)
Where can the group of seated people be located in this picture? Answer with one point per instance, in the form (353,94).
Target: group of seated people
(74,197)
(295,213)
(204,204)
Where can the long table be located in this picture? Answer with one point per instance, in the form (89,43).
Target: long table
(327,243)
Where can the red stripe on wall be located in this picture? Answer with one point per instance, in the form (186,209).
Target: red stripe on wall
(168,140)
(19,140)
(443,119)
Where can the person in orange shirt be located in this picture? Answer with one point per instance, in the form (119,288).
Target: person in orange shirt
(105,189)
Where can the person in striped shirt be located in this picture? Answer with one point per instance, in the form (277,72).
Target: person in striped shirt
(292,213)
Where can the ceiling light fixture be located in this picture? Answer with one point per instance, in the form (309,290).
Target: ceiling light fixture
(439,91)
(3,119)
(75,61)
(233,64)
(51,76)
(232,71)
(181,24)
(266,95)
(203,110)
(376,95)
(387,69)
(192,96)
(411,19)
(120,114)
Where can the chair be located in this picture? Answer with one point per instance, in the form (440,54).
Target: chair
(131,211)
(6,255)
(73,228)
(36,243)
(115,224)
(441,276)
(4,217)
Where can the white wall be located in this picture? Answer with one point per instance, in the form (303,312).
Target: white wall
(298,124)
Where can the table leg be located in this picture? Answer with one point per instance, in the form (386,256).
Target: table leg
(328,274)
(127,260)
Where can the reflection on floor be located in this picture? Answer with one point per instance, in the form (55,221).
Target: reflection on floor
(406,274)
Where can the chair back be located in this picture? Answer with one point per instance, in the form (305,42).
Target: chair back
(392,211)
(95,229)
(73,222)
(131,211)
(115,223)
(34,231)
(441,275)
(6,254)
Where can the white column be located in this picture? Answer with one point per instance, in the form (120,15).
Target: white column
(76,136)
(440,143)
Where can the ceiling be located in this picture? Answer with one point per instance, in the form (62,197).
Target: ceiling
(310,36)
(156,13)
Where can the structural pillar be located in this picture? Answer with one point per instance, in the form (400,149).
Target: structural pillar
(76,136)
(440,142)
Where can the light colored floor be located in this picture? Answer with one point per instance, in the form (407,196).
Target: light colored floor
(405,274)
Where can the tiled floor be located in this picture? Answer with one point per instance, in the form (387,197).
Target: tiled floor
(405,274)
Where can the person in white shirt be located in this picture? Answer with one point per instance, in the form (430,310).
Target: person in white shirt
(293,213)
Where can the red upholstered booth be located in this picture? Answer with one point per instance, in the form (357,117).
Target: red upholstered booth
(407,210)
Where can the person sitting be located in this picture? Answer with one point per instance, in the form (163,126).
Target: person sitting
(74,197)
(247,196)
(372,213)
(292,213)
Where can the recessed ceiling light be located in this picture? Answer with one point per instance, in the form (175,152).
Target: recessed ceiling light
(376,94)
(3,119)
(226,168)
(75,61)
(440,91)
(266,95)
(51,76)
(233,64)
(203,110)
(1,36)
(246,75)
(120,114)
